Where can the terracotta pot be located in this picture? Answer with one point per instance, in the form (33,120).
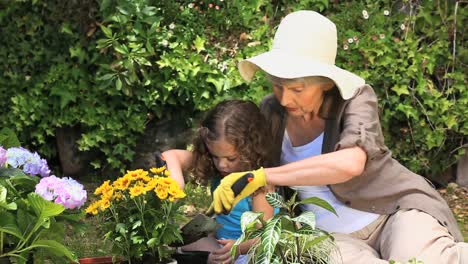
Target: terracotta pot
(98,260)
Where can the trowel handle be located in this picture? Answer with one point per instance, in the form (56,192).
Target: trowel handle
(159,159)
(240,184)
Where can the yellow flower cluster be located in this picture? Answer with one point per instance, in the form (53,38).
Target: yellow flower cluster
(136,183)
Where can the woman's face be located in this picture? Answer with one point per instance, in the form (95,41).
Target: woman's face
(225,157)
(298,98)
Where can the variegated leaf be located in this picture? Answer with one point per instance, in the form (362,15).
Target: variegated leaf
(271,236)
(307,218)
(315,241)
(249,219)
(275,200)
(292,200)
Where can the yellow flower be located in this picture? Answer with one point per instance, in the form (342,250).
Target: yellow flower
(122,183)
(104,204)
(118,196)
(161,192)
(151,184)
(158,170)
(93,208)
(167,181)
(103,188)
(136,174)
(137,190)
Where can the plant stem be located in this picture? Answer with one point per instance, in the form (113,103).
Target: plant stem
(127,244)
(141,207)
(1,242)
(167,213)
(298,248)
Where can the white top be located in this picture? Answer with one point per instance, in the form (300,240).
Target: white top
(348,220)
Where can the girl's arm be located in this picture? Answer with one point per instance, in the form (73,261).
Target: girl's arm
(178,161)
(260,204)
(331,168)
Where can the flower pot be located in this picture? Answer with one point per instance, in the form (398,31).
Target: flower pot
(98,260)
(191,257)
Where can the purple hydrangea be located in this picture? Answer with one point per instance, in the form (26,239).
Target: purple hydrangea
(30,163)
(3,157)
(65,191)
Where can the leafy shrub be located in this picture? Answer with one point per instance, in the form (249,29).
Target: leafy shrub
(110,67)
(412,53)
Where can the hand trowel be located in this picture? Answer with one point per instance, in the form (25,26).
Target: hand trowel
(203,224)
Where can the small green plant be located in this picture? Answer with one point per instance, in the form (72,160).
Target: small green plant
(141,211)
(286,238)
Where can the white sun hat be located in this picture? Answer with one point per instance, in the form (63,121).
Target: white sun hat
(305,45)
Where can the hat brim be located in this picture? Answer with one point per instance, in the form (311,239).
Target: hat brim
(290,66)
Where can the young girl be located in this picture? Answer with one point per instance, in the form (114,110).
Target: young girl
(232,137)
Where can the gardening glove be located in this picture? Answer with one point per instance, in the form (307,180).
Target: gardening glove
(235,187)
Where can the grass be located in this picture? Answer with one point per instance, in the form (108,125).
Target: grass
(90,241)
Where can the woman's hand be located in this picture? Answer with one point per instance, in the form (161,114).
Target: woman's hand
(223,196)
(222,255)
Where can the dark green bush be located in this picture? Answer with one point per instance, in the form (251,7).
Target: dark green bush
(110,66)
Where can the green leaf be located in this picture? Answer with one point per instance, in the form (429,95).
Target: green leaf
(55,248)
(319,202)
(3,193)
(218,83)
(44,208)
(199,44)
(8,225)
(152,242)
(11,172)
(121,49)
(107,31)
(118,84)
(307,218)
(65,95)
(275,200)
(400,89)
(8,138)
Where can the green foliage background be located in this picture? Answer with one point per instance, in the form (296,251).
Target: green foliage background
(110,66)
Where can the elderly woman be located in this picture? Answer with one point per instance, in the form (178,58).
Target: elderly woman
(329,144)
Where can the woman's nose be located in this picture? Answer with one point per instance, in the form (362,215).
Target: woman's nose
(285,98)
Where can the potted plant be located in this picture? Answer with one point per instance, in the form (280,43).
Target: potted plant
(35,207)
(286,238)
(141,214)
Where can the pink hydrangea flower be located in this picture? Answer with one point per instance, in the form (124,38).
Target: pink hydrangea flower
(65,191)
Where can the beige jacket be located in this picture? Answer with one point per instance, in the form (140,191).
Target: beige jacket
(385,186)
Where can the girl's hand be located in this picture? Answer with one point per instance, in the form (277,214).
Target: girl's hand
(222,255)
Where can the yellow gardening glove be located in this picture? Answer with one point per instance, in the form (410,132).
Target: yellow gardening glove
(223,196)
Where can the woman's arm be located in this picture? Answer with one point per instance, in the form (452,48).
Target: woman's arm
(331,168)
(178,161)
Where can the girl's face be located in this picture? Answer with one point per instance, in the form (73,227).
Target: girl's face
(298,98)
(225,157)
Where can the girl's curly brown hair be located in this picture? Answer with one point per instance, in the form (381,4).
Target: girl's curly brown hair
(241,124)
